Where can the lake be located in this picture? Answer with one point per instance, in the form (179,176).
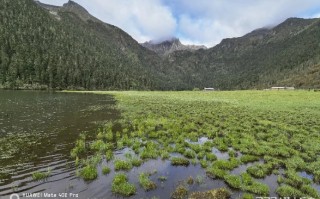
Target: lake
(37,131)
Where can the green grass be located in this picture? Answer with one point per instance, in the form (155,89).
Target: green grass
(162,178)
(279,128)
(89,172)
(259,170)
(146,183)
(122,165)
(215,172)
(233,181)
(37,176)
(79,148)
(227,164)
(247,196)
(221,193)
(136,162)
(180,192)
(176,161)
(109,155)
(189,154)
(249,158)
(120,185)
(211,157)
(106,170)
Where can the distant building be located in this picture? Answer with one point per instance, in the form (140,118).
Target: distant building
(208,89)
(282,88)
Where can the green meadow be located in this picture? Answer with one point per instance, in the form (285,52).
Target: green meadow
(278,132)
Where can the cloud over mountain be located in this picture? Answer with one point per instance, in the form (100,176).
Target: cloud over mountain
(200,22)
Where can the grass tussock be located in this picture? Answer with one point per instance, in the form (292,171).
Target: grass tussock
(222,193)
(146,183)
(121,186)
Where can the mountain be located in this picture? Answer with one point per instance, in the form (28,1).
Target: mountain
(164,48)
(285,55)
(65,47)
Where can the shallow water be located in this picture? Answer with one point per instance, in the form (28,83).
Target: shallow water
(310,177)
(37,132)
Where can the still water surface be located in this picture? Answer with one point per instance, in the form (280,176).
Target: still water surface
(37,132)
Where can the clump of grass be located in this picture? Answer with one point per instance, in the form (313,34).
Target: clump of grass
(227,164)
(295,163)
(41,175)
(215,172)
(201,155)
(149,153)
(190,180)
(294,180)
(260,170)
(109,155)
(195,147)
(164,155)
(162,178)
(100,146)
(221,193)
(122,165)
(79,149)
(257,188)
(120,185)
(249,158)
(189,154)
(179,193)
(246,179)
(247,196)
(310,191)
(288,191)
(106,170)
(204,163)
(179,148)
(146,183)
(232,153)
(89,172)
(211,157)
(136,162)
(177,161)
(233,181)
(93,160)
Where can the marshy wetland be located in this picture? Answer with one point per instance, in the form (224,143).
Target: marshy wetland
(238,144)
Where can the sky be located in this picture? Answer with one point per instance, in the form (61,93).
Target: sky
(200,22)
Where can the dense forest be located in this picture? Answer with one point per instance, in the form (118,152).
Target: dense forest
(60,50)
(66,48)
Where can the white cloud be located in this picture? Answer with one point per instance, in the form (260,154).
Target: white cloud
(142,19)
(202,21)
(209,21)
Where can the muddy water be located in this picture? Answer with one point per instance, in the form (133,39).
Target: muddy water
(37,132)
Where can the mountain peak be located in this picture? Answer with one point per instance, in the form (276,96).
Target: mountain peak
(169,46)
(74,7)
(72,4)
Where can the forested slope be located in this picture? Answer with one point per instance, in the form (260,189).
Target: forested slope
(61,49)
(43,46)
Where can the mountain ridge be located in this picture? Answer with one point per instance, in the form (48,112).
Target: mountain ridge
(65,47)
